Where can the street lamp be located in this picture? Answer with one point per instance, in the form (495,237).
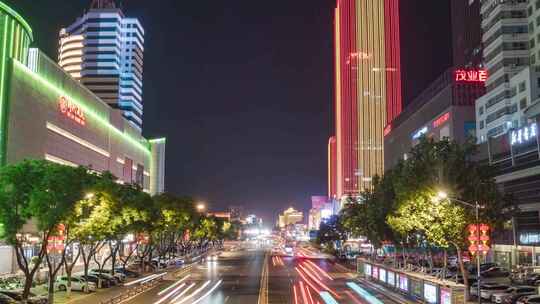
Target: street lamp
(201,207)
(89,196)
(441,195)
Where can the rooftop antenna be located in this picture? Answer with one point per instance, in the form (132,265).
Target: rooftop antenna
(97,4)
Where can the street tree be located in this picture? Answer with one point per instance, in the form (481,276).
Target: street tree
(330,232)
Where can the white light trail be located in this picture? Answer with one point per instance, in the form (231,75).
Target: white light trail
(183,293)
(194,293)
(170,294)
(173,285)
(208,293)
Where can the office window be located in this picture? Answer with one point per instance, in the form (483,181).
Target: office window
(533,58)
(481,110)
(522,86)
(523,103)
(481,124)
(530,10)
(537,4)
(531,43)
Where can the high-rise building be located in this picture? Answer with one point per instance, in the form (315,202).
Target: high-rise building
(466,33)
(103,49)
(368,88)
(505,28)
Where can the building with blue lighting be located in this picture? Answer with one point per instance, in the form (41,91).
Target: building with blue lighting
(104,49)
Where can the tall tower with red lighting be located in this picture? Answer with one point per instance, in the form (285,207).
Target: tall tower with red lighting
(367,86)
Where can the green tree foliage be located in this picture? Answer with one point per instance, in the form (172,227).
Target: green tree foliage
(330,232)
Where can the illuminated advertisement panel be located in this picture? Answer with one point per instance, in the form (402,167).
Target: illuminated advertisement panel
(375,273)
(446,296)
(367,269)
(403,282)
(391,278)
(430,293)
(382,275)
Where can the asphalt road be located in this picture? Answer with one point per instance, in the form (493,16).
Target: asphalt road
(308,276)
(239,272)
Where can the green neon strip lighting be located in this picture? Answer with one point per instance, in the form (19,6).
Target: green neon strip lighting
(18,17)
(3,110)
(93,114)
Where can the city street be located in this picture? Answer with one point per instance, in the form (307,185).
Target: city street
(238,270)
(235,278)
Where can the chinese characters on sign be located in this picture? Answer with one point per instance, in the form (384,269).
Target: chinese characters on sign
(441,120)
(471,75)
(71,110)
(524,134)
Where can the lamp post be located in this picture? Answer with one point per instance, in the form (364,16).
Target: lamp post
(443,195)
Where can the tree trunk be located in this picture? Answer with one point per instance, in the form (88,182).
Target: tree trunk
(464,273)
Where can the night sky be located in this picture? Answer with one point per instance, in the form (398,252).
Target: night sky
(243,89)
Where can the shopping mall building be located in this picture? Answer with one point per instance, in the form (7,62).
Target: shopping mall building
(46,114)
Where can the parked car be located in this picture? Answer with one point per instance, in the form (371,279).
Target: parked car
(515,291)
(110,280)
(94,279)
(6,299)
(77,284)
(155,262)
(483,267)
(495,272)
(128,273)
(32,298)
(487,289)
(526,278)
(528,300)
(119,276)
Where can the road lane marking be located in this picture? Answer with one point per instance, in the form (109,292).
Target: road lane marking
(263,289)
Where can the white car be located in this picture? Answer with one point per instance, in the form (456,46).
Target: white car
(500,297)
(486,291)
(77,284)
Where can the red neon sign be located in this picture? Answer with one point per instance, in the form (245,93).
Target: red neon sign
(480,75)
(71,110)
(441,120)
(387,130)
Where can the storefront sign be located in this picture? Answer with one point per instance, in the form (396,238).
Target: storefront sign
(524,135)
(441,120)
(472,75)
(71,110)
(419,133)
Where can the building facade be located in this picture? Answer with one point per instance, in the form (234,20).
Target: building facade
(445,109)
(368,88)
(47,114)
(104,49)
(332,168)
(466,33)
(505,26)
(290,217)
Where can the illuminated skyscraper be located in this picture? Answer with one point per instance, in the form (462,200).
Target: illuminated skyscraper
(104,50)
(368,87)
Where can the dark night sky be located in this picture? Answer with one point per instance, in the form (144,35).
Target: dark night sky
(243,89)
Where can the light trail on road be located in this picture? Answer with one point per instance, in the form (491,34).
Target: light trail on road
(173,285)
(208,293)
(197,291)
(364,293)
(163,299)
(183,292)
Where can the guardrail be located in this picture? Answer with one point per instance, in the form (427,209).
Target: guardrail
(134,291)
